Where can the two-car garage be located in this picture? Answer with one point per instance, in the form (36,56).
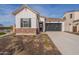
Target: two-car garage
(53,26)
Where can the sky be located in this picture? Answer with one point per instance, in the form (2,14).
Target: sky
(48,10)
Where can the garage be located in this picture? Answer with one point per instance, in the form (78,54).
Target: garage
(53,26)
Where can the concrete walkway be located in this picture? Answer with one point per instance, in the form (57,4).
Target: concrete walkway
(68,44)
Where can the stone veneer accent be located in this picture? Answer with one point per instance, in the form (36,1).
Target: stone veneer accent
(26,30)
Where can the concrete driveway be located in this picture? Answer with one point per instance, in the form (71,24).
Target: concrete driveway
(68,44)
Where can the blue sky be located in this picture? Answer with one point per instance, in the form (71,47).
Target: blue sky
(49,10)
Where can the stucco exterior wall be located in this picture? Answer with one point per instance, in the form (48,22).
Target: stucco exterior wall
(78,28)
(76,24)
(42,19)
(76,15)
(68,21)
(26,13)
(76,18)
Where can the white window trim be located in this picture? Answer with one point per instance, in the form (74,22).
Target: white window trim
(26,19)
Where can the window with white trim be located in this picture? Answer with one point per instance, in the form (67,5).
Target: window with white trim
(25,22)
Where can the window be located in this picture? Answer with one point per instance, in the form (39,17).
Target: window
(70,15)
(25,22)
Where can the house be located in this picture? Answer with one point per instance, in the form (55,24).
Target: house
(29,22)
(71,21)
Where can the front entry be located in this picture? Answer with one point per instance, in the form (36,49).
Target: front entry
(53,26)
(41,26)
(74,28)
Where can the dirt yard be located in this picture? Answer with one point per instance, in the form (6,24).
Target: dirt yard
(27,45)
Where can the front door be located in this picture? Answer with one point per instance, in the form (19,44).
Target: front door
(74,28)
(41,26)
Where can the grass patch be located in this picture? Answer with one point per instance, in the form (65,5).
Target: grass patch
(2,33)
(5,27)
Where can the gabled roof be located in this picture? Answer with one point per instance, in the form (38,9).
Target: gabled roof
(22,7)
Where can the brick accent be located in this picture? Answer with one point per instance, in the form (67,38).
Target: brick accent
(26,30)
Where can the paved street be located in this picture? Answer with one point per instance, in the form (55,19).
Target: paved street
(66,43)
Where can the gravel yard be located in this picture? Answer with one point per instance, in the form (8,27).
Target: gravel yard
(27,45)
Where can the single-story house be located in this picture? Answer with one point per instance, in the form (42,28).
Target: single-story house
(29,22)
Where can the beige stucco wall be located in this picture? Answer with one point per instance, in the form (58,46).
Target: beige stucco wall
(78,28)
(68,21)
(42,19)
(76,24)
(76,17)
(26,13)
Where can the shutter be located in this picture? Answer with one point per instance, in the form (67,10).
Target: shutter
(29,22)
(21,22)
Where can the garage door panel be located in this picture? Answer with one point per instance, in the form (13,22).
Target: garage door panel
(53,26)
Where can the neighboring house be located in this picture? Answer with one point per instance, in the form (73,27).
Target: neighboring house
(29,21)
(5,29)
(71,21)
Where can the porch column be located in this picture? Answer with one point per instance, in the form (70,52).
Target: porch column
(63,26)
(43,26)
